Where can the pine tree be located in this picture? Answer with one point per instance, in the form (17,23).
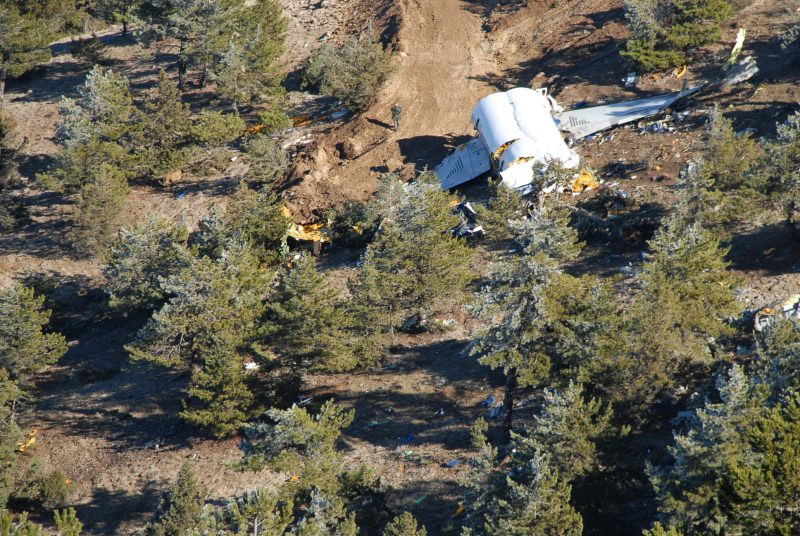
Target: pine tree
(780,170)
(214,306)
(94,130)
(761,489)
(25,346)
(537,318)
(10,434)
(268,161)
(663,31)
(566,430)
(414,263)
(404,525)
(688,490)
(302,443)
(219,398)
(180,511)
(686,294)
(248,70)
(24,43)
(138,259)
(164,129)
(539,505)
(67,522)
(353,73)
(306,319)
(101,200)
(255,216)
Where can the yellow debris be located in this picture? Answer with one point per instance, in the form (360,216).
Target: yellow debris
(680,72)
(25,445)
(585,181)
(459,511)
(294,478)
(314,232)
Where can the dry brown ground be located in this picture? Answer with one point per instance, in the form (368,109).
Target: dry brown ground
(111,425)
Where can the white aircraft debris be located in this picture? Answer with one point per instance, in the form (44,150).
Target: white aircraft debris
(520,130)
(585,121)
(516,134)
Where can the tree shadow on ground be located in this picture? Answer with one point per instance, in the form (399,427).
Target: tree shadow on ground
(770,249)
(390,416)
(98,392)
(48,239)
(126,506)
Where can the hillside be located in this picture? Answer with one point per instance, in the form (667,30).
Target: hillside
(112,425)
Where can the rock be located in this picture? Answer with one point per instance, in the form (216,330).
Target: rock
(351,149)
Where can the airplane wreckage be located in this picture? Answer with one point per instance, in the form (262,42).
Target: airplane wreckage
(523,130)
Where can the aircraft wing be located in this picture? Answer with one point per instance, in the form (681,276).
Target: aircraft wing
(585,121)
(468,161)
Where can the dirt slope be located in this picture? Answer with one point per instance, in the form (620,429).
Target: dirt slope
(443,57)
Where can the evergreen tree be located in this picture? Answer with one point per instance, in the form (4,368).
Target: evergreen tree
(94,130)
(539,320)
(25,346)
(536,505)
(181,508)
(10,434)
(67,522)
(566,430)
(780,170)
(404,525)
(686,294)
(306,319)
(268,161)
(248,70)
(164,130)
(24,43)
(414,264)
(219,398)
(302,443)
(213,307)
(663,31)
(210,317)
(100,204)
(353,73)
(761,489)
(688,490)
(255,216)
(138,259)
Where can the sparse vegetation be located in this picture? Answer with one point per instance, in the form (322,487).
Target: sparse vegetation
(353,73)
(571,338)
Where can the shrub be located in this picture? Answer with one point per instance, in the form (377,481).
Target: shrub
(213,129)
(181,506)
(100,203)
(353,73)
(25,347)
(55,490)
(663,31)
(268,161)
(139,257)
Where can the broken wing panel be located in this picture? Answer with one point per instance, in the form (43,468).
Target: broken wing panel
(585,121)
(467,162)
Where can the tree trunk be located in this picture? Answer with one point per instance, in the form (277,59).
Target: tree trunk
(182,65)
(508,404)
(3,75)
(124,27)
(204,74)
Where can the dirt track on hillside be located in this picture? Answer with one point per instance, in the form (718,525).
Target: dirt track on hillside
(443,57)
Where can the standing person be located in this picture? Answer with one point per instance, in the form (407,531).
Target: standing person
(396,112)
